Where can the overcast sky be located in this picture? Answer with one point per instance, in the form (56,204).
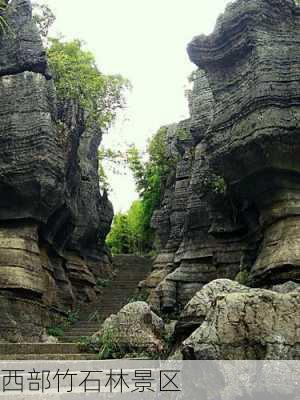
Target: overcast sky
(145,41)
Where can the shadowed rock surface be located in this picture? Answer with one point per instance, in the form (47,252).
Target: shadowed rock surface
(53,218)
(239,192)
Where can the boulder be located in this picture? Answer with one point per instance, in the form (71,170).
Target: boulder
(195,312)
(250,324)
(135,329)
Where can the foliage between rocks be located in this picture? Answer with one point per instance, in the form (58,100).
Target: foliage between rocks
(140,295)
(131,232)
(56,331)
(242,277)
(103,283)
(77,77)
(214,183)
(4,27)
(59,330)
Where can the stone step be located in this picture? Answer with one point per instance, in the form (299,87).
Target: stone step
(132,270)
(69,335)
(84,332)
(72,338)
(40,348)
(77,334)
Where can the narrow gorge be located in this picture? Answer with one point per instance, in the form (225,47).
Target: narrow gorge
(226,281)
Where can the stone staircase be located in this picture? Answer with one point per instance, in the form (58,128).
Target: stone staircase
(130,271)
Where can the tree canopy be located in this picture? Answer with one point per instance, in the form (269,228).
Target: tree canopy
(126,235)
(77,77)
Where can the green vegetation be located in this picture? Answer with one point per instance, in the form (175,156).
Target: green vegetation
(77,77)
(127,235)
(131,232)
(103,283)
(214,183)
(3,23)
(59,330)
(140,295)
(105,345)
(56,331)
(109,347)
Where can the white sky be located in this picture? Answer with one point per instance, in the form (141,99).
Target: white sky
(145,41)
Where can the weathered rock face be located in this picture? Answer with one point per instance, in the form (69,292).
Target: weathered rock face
(251,63)
(135,329)
(243,323)
(53,218)
(212,240)
(195,312)
(240,197)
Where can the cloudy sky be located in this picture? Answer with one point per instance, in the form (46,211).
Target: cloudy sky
(145,41)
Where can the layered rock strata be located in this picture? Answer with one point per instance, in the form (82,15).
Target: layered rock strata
(53,218)
(238,322)
(241,212)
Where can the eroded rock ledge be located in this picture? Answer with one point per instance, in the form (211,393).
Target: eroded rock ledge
(234,199)
(53,219)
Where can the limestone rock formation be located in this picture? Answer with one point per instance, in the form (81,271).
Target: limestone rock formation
(248,324)
(195,312)
(240,218)
(135,329)
(53,218)
(251,64)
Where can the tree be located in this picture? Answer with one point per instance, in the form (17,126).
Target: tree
(135,224)
(118,238)
(77,77)
(127,233)
(150,178)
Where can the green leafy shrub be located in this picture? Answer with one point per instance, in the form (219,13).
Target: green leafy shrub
(215,184)
(103,283)
(140,295)
(56,331)
(72,317)
(109,347)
